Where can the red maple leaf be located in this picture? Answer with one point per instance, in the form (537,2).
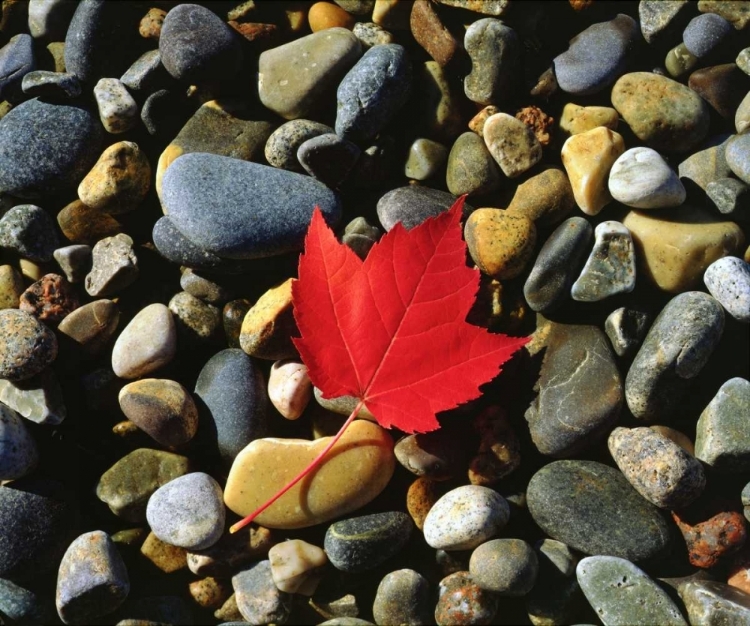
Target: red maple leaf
(392,330)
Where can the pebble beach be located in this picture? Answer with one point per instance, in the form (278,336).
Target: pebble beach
(159,166)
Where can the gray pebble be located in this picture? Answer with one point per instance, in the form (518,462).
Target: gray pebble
(471,169)
(728,280)
(731,197)
(658,18)
(738,156)
(626,327)
(743,60)
(22,606)
(258,599)
(198,323)
(705,33)
(39,398)
(282,145)
(495,52)
(711,602)
(16,60)
(18,451)
(745,496)
(205,289)
(328,158)
(674,352)
(74,261)
(641,178)
(26,345)
(146,74)
(403,597)
(370,34)
(30,232)
(157,111)
(188,512)
(114,266)
(51,84)
(722,437)
(412,205)
(360,236)
(706,165)
(92,581)
(554,597)
(117,108)
(425,160)
(504,566)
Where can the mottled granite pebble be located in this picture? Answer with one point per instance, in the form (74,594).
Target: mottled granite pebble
(728,280)
(118,110)
(722,440)
(26,345)
(462,601)
(403,597)
(281,147)
(29,231)
(512,144)
(711,602)
(731,197)
(495,51)
(258,599)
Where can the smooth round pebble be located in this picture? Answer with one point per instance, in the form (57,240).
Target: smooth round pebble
(704,33)
(403,597)
(640,178)
(728,280)
(738,156)
(504,566)
(26,345)
(146,344)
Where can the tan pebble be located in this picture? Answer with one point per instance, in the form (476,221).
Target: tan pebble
(296,565)
(11,287)
(166,557)
(147,343)
(576,119)
(119,181)
(82,224)
(588,157)
(546,199)
(31,269)
(392,14)
(91,326)
(269,325)
(289,388)
(324,15)
(501,244)
(673,250)
(476,124)
(512,144)
(420,497)
(354,472)
(210,593)
(229,611)
(151,23)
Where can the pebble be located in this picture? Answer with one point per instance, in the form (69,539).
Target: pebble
(465,517)
(421,497)
(86,226)
(164,556)
(512,144)
(114,266)
(328,158)
(507,567)
(576,119)
(403,597)
(626,327)
(711,531)
(92,581)
(714,602)
(370,34)
(722,86)
(738,156)
(462,601)
(372,92)
(348,480)
(662,113)
(16,60)
(728,280)
(705,33)
(147,343)
(283,144)
(678,345)
(210,593)
(119,181)
(554,597)
(679,61)
(658,19)
(708,165)
(579,391)
(360,236)
(231,392)
(151,23)
(51,84)
(588,158)
(294,77)
(622,593)
(22,606)
(471,169)
(289,388)
(296,566)
(258,599)
(204,196)
(597,56)
(232,316)
(640,178)
(232,552)
(162,408)
(434,454)
(742,115)
(197,47)
(323,15)
(39,399)
(29,231)
(49,299)
(721,439)
(11,287)
(412,205)
(546,198)
(204,288)
(146,73)
(26,345)
(74,261)
(33,131)
(499,451)
(674,251)
(187,512)
(495,51)
(18,450)
(559,261)
(49,19)
(426,159)
(660,470)
(610,268)
(730,197)
(429,32)
(499,242)
(198,323)
(637,531)
(91,326)
(117,108)
(746,501)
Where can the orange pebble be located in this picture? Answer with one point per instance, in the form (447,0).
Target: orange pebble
(325,15)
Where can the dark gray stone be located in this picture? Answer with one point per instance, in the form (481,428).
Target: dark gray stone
(74,261)
(674,352)
(372,92)
(413,204)
(626,327)
(580,392)
(559,262)
(30,232)
(51,84)
(26,345)
(507,567)
(705,33)
(592,508)
(328,158)
(554,597)
(242,210)
(18,450)
(597,56)
(403,597)
(147,73)
(495,51)
(282,145)
(234,402)
(22,606)
(16,60)
(258,599)
(46,148)
(197,47)
(731,197)
(38,520)
(712,602)
(157,112)
(738,156)
(471,168)
(360,544)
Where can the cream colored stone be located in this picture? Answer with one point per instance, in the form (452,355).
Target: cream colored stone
(576,119)
(289,388)
(296,565)
(11,287)
(511,143)
(147,343)
(354,472)
(588,157)
(674,248)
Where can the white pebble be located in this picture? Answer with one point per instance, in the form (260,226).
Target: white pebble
(728,280)
(117,108)
(640,178)
(289,388)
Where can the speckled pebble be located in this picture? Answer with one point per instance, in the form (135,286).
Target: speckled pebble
(403,597)
(705,33)
(258,599)
(512,144)
(281,147)
(117,108)
(728,280)
(500,243)
(26,345)
(114,266)
(30,232)
(507,567)
(731,197)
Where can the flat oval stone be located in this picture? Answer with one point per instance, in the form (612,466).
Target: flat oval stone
(45,149)
(403,597)
(659,469)
(26,345)
(704,33)
(622,593)
(664,114)
(507,567)
(465,517)
(347,481)
(640,178)
(499,242)
(18,450)
(495,51)
(372,92)
(592,508)
(728,280)
(413,204)
(362,543)
(580,392)
(674,352)
(207,198)
(83,225)
(232,395)
(91,326)
(545,199)
(471,169)
(713,602)
(146,344)
(596,56)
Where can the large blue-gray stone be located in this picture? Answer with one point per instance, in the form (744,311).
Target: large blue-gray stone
(242,210)
(22,606)
(46,148)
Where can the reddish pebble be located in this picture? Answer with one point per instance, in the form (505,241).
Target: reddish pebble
(262,35)
(538,121)
(710,532)
(49,299)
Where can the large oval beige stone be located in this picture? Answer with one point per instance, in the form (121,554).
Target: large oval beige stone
(355,471)
(674,248)
(588,157)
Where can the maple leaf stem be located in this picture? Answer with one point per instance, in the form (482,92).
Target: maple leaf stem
(310,467)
